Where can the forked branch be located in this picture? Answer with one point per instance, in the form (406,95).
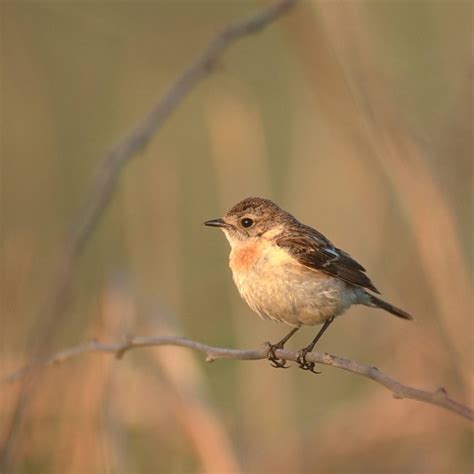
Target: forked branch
(438,397)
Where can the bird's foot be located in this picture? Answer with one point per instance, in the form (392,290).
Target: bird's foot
(274,360)
(303,363)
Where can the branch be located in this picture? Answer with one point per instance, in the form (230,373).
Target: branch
(439,397)
(112,164)
(109,169)
(103,186)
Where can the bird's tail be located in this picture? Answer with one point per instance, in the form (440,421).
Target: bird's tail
(378,303)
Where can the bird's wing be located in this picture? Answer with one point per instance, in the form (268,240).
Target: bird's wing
(313,250)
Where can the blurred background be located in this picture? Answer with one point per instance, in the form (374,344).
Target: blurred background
(354,116)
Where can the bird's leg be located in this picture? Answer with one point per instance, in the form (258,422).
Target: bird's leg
(303,364)
(279,363)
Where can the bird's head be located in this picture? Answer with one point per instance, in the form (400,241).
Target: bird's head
(250,219)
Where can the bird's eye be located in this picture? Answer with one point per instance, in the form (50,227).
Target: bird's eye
(246,222)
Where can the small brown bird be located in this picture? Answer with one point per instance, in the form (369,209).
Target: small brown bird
(289,272)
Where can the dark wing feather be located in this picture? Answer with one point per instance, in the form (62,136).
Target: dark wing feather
(315,251)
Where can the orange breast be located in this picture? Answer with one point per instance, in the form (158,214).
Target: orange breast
(242,259)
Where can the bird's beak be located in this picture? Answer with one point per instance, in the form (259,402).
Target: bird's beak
(216,223)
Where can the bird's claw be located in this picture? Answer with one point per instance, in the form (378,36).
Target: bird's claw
(279,363)
(304,364)
(274,360)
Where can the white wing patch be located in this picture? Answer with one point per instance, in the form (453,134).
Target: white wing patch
(332,251)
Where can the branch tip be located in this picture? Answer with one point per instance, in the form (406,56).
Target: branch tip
(442,392)
(121,352)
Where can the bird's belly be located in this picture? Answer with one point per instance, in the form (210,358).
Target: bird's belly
(285,291)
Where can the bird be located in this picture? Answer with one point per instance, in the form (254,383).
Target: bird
(291,273)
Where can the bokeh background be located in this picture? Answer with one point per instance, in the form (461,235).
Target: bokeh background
(354,116)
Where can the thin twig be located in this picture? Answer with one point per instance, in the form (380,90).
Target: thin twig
(438,397)
(109,169)
(103,187)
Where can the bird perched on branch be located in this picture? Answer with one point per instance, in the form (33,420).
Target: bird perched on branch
(291,273)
